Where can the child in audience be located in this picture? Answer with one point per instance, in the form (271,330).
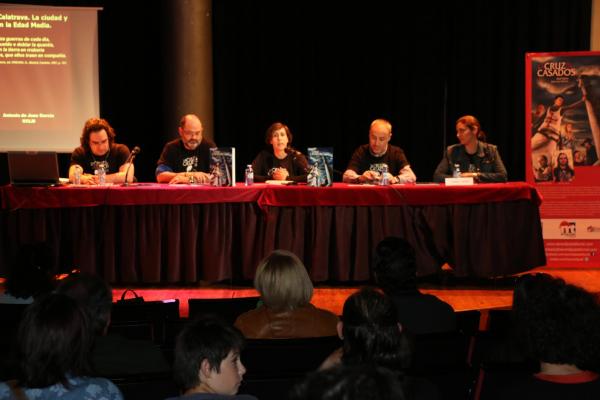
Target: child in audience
(207,361)
(55,339)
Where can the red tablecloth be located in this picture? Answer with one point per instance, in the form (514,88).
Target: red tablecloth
(339,194)
(152,233)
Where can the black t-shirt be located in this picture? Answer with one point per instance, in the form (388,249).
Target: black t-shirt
(176,158)
(362,160)
(111,162)
(265,162)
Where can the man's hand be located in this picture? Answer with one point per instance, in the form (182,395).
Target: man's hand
(190,177)
(369,177)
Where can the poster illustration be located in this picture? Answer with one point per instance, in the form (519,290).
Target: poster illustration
(562,147)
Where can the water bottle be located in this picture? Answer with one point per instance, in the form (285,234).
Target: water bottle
(249,176)
(456,171)
(77,176)
(101,174)
(384,180)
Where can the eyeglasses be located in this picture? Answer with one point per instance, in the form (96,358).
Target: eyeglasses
(192,133)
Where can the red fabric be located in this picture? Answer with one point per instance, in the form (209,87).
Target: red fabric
(181,234)
(140,194)
(339,194)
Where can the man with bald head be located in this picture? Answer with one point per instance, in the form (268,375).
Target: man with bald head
(187,159)
(369,160)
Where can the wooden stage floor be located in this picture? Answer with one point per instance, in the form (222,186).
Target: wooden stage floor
(460,295)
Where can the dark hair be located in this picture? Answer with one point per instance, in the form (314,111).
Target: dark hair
(93,294)
(394,265)
(471,122)
(30,275)
(204,338)
(371,331)
(274,127)
(95,125)
(55,340)
(559,96)
(557,322)
(350,382)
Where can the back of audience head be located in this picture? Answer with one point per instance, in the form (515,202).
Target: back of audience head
(55,340)
(207,357)
(93,294)
(30,275)
(394,265)
(557,323)
(371,332)
(282,281)
(353,382)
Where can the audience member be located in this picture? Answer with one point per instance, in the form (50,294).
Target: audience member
(207,361)
(30,275)
(372,334)
(279,161)
(55,340)
(474,156)
(112,354)
(187,159)
(285,290)
(395,272)
(98,150)
(370,160)
(350,382)
(559,325)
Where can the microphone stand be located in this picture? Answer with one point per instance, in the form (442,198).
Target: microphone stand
(131,158)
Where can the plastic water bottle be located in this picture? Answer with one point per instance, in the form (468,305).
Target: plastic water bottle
(249,176)
(101,174)
(456,171)
(77,176)
(384,180)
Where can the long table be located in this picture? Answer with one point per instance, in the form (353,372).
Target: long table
(159,233)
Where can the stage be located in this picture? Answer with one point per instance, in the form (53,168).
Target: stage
(482,295)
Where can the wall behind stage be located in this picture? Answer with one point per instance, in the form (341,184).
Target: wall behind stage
(328,68)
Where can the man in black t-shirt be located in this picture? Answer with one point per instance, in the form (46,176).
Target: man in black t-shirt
(187,159)
(370,160)
(98,150)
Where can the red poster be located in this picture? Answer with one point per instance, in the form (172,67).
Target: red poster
(562,147)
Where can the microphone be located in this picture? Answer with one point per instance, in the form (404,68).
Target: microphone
(129,161)
(291,151)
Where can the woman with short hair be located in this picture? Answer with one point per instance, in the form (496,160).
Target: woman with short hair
(285,291)
(279,161)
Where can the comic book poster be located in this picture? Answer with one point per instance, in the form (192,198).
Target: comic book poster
(562,147)
(320,160)
(222,166)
